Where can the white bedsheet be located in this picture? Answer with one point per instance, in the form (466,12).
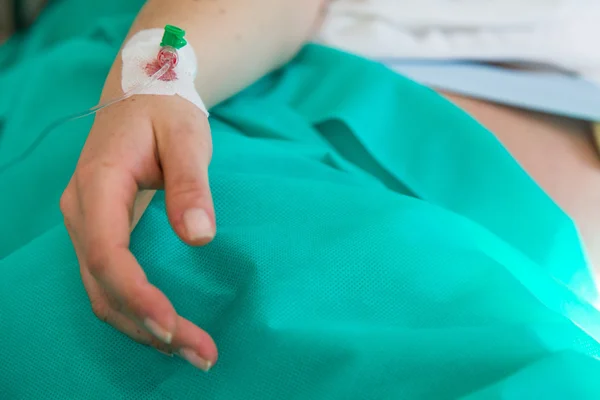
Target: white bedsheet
(562,33)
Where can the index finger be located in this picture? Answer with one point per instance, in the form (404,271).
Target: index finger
(107,199)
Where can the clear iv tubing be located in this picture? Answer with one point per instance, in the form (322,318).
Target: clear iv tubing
(156,76)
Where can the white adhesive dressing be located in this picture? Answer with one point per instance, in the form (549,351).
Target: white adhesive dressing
(142,50)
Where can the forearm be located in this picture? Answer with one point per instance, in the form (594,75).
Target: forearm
(236,41)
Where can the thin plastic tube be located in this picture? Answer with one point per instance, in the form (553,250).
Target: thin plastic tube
(136,90)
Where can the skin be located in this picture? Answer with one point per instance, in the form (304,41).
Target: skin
(164,142)
(160,142)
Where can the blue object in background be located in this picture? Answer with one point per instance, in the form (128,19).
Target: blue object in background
(549,92)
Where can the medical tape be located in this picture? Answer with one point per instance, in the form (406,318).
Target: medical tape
(141,60)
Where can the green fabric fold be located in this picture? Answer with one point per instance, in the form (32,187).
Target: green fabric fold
(374,242)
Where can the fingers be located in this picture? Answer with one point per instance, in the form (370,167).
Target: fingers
(107,196)
(97,209)
(185,152)
(117,287)
(194,345)
(103,307)
(122,155)
(189,342)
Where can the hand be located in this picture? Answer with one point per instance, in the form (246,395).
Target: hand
(145,142)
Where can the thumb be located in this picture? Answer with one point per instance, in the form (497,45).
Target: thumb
(185,150)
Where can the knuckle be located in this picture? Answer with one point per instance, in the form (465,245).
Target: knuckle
(84,174)
(189,132)
(183,126)
(96,260)
(185,186)
(209,151)
(92,169)
(67,201)
(100,309)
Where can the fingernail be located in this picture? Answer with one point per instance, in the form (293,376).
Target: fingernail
(190,356)
(197,224)
(158,331)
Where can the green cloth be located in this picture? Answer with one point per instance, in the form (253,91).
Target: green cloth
(374,242)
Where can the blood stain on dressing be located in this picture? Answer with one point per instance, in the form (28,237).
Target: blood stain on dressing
(154,66)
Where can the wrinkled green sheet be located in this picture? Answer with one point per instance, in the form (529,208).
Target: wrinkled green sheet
(374,242)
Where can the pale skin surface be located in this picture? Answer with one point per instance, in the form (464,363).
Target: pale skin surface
(164,142)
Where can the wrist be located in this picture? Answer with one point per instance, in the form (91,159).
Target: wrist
(155,61)
(112,85)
